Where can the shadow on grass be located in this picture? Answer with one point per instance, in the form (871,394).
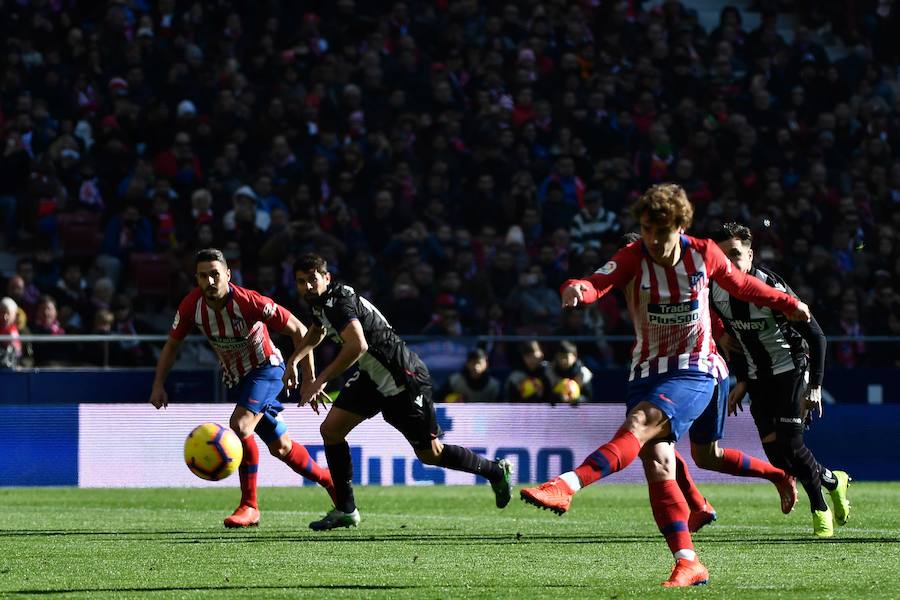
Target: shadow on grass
(217,588)
(415,537)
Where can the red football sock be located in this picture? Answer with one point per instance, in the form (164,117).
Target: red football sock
(614,455)
(302,463)
(686,484)
(247,472)
(671,513)
(735,462)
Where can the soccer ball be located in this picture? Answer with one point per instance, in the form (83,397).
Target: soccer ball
(212,452)
(531,387)
(567,389)
(454,397)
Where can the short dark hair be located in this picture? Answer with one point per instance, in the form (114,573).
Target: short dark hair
(733,231)
(476,354)
(210,255)
(567,347)
(310,261)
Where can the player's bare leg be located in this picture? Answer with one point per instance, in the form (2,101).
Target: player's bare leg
(643,423)
(243,422)
(334,429)
(734,462)
(671,512)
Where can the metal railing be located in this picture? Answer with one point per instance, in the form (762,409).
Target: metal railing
(410,339)
(470,341)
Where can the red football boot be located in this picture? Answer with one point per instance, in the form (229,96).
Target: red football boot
(554,495)
(243,516)
(687,573)
(787,489)
(699,518)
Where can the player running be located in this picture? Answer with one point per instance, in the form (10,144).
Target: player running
(781,368)
(666,283)
(235,320)
(391,380)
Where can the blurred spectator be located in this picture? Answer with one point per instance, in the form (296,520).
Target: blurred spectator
(528,380)
(11,351)
(593,225)
(533,307)
(473,383)
(46,322)
(568,379)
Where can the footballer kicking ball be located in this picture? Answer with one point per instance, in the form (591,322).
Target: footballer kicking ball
(213,452)
(567,389)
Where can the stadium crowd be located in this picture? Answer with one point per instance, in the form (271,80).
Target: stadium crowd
(454,161)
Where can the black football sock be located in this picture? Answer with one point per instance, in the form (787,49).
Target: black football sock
(341,466)
(463,459)
(804,467)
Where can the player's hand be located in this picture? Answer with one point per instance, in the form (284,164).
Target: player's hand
(730,345)
(290,379)
(312,393)
(573,295)
(159,398)
(812,400)
(801,313)
(736,398)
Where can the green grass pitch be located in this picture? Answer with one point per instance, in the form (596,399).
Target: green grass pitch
(432,542)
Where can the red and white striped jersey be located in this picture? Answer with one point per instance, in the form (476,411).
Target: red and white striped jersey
(669,306)
(237,332)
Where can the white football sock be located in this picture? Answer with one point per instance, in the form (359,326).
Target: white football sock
(688,554)
(571,480)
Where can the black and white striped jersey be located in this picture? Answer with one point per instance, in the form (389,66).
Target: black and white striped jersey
(772,345)
(388,362)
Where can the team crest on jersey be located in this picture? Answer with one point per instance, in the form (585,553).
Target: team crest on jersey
(268,310)
(696,278)
(607,268)
(176,321)
(239,325)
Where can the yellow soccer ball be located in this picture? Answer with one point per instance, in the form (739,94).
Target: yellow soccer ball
(531,388)
(213,452)
(453,397)
(567,389)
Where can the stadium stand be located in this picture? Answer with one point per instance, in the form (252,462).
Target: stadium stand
(443,151)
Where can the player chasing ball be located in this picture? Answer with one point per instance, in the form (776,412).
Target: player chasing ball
(235,320)
(391,380)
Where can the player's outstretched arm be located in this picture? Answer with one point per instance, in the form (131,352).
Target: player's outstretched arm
(615,273)
(158,396)
(750,289)
(353,347)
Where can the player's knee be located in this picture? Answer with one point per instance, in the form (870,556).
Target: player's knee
(645,424)
(658,468)
(329,435)
(280,448)
(241,427)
